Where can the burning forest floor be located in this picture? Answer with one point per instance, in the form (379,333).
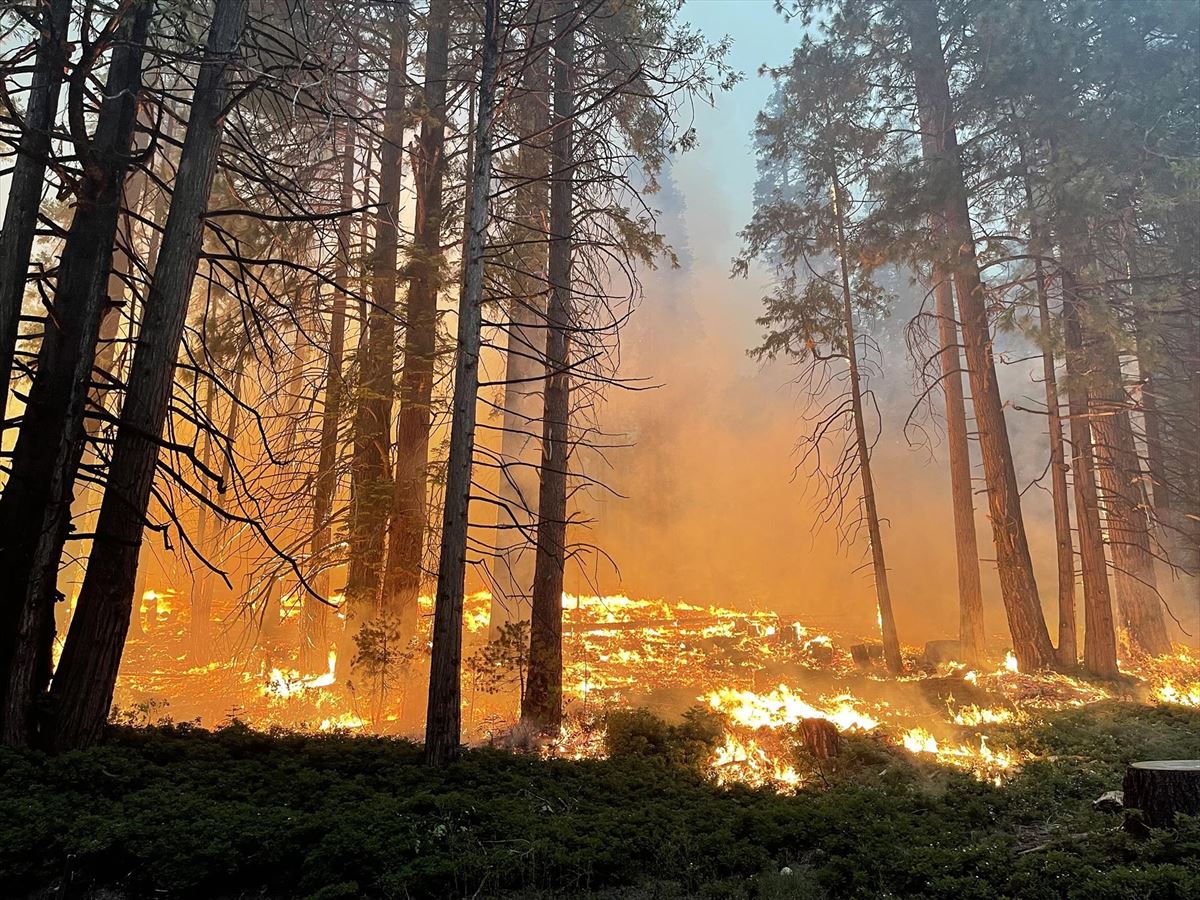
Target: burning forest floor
(181,812)
(762,680)
(708,753)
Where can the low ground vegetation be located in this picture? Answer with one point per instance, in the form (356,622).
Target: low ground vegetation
(176,811)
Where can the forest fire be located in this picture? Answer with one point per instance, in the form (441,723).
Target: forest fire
(841,440)
(761,676)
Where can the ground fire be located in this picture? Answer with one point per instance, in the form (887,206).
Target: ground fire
(761,674)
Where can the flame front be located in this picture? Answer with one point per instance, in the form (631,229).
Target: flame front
(621,651)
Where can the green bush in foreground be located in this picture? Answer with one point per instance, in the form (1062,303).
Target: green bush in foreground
(182,812)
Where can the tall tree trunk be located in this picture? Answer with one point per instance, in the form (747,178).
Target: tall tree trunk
(1121,495)
(542,705)
(372,422)
(883,594)
(1099,640)
(316,614)
(36,504)
(442,723)
(1031,639)
(28,176)
(520,441)
(409,511)
(970,592)
(1068,641)
(87,673)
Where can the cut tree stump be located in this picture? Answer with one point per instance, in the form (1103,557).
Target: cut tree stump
(821,738)
(1161,788)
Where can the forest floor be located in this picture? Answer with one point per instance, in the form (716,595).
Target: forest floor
(181,812)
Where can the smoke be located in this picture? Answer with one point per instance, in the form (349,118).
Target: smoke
(719,509)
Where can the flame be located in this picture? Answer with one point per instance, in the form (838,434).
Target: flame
(783,707)
(287,685)
(973,716)
(981,760)
(760,675)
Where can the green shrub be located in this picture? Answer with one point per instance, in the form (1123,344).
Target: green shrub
(640,733)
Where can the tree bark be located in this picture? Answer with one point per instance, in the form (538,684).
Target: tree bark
(409,506)
(373,487)
(1163,788)
(1068,641)
(971,638)
(87,673)
(28,177)
(524,375)
(542,705)
(443,727)
(1100,641)
(1027,624)
(887,617)
(35,507)
(316,615)
(1124,513)
(200,626)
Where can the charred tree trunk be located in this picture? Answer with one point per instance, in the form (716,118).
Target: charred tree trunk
(406,535)
(1100,641)
(1128,527)
(524,375)
(887,617)
(443,728)
(1031,639)
(28,176)
(971,638)
(87,673)
(542,704)
(372,423)
(35,507)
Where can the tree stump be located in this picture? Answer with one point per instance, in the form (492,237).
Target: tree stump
(821,738)
(865,654)
(821,654)
(1161,788)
